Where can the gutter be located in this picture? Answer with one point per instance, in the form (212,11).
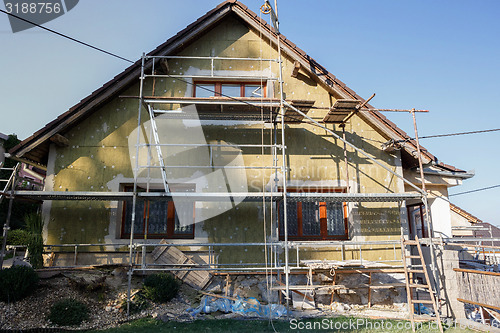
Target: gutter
(451,174)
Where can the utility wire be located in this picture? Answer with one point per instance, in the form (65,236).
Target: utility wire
(130,61)
(66,36)
(472,191)
(295,119)
(451,134)
(207,89)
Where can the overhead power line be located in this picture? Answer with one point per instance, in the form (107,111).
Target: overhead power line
(451,134)
(477,190)
(130,61)
(68,37)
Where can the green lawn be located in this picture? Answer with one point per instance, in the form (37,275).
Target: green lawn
(344,324)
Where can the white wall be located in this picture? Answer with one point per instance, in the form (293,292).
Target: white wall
(440,212)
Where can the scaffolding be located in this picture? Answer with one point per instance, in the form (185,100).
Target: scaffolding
(275,111)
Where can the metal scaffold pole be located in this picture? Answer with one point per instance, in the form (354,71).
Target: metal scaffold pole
(283,157)
(9,214)
(136,176)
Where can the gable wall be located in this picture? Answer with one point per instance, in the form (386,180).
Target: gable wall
(98,158)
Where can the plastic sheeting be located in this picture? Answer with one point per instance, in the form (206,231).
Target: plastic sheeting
(248,307)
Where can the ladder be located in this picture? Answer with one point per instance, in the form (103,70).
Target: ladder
(156,139)
(411,285)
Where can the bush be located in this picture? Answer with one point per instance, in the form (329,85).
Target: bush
(68,312)
(160,287)
(34,224)
(17,282)
(17,237)
(138,302)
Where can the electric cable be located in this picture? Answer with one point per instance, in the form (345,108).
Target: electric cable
(68,37)
(476,190)
(450,134)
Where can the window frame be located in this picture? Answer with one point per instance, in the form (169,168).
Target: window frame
(323,218)
(242,84)
(170,234)
(412,222)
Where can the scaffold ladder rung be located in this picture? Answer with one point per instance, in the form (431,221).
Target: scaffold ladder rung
(156,138)
(410,285)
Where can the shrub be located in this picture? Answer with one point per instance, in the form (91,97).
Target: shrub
(34,224)
(160,287)
(68,312)
(17,282)
(17,237)
(138,302)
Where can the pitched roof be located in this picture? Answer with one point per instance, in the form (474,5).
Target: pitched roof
(471,218)
(36,146)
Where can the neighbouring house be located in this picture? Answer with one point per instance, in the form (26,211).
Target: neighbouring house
(207,87)
(466,225)
(29,176)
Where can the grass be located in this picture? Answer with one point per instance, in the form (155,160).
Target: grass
(253,326)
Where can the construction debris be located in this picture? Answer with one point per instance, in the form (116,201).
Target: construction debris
(170,255)
(248,307)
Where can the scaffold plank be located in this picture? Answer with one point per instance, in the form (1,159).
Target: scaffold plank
(216,196)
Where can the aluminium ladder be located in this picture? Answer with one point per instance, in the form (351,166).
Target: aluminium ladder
(156,139)
(411,285)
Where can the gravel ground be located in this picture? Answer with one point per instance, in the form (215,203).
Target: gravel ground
(104,305)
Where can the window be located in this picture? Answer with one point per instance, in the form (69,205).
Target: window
(416,219)
(159,218)
(231,89)
(314,220)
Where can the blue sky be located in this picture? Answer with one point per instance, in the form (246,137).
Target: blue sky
(437,55)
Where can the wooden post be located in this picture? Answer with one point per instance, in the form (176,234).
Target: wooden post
(228,278)
(369,290)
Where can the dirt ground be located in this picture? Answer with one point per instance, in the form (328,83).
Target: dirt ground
(104,293)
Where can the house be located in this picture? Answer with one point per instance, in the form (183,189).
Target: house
(30,176)
(466,225)
(215,90)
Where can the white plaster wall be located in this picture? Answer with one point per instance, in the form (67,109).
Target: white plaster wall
(460,221)
(440,212)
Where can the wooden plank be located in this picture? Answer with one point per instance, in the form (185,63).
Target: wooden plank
(172,255)
(59,140)
(370,290)
(480,304)
(475,271)
(164,66)
(159,250)
(340,110)
(423,301)
(296,68)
